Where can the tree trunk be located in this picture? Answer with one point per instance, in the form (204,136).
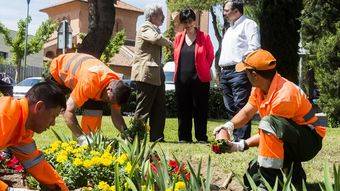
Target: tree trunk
(279,25)
(219,40)
(101,22)
(18,75)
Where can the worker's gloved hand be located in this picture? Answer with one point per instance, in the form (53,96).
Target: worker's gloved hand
(17,189)
(84,140)
(237,146)
(228,126)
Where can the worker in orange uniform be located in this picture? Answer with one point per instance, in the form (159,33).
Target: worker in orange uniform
(289,131)
(19,119)
(92,85)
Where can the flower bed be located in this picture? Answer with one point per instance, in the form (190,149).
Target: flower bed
(120,165)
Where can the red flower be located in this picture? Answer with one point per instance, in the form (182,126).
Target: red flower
(11,163)
(216,149)
(173,164)
(153,168)
(187,176)
(19,168)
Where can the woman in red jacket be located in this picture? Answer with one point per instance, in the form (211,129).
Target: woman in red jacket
(193,56)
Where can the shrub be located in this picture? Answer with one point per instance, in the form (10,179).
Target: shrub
(321,36)
(216,105)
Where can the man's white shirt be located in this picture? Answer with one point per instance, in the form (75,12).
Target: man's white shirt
(241,38)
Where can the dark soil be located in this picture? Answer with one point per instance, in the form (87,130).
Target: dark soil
(13,180)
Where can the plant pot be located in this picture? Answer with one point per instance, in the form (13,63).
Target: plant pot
(222,134)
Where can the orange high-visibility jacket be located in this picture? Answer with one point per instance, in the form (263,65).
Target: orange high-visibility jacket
(286,100)
(84,74)
(13,135)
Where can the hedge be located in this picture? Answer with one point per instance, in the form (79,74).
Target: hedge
(216,106)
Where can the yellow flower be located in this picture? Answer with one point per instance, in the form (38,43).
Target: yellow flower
(73,143)
(103,185)
(180,185)
(108,149)
(48,151)
(69,149)
(107,162)
(112,188)
(55,144)
(95,153)
(96,160)
(61,158)
(64,145)
(122,158)
(128,167)
(87,163)
(77,162)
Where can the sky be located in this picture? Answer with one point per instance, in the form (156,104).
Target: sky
(11,11)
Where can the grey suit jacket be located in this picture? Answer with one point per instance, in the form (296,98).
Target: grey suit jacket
(146,64)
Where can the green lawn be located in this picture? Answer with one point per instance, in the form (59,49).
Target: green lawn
(236,162)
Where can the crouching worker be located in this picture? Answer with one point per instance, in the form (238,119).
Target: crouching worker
(19,119)
(289,131)
(92,84)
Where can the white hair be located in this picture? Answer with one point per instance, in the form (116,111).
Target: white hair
(151,10)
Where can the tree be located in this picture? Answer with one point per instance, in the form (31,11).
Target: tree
(101,22)
(321,37)
(113,46)
(279,27)
(34,45)
(168,53)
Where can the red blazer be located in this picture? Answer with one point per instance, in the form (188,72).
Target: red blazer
(204,54)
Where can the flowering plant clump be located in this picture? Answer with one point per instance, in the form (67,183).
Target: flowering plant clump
(74,163)
(137,128)
(219,146)
(9,164)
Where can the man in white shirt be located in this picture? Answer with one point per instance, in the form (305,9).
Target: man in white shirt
(241,38)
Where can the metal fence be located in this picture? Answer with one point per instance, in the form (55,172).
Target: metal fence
(30,71)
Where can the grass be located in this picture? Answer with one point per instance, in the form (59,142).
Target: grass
(235,162)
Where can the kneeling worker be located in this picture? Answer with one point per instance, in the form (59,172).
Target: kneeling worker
(289,131)
(92,85)
(19,119)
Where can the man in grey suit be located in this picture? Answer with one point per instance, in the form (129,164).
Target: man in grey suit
(148,74)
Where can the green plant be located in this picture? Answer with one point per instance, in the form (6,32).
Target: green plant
(170,34)
(287,185)
(328,186)
(113,46)
(321,37)
(34,45)
(216,105)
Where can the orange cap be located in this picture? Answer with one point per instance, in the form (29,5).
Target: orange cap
(258,60)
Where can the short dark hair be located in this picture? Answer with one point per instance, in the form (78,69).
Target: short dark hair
(50,94)
(122,91)
(187,14)
(237,4)
(267,74)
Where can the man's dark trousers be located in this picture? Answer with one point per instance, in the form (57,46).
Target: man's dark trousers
(236,90)
(151,104)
